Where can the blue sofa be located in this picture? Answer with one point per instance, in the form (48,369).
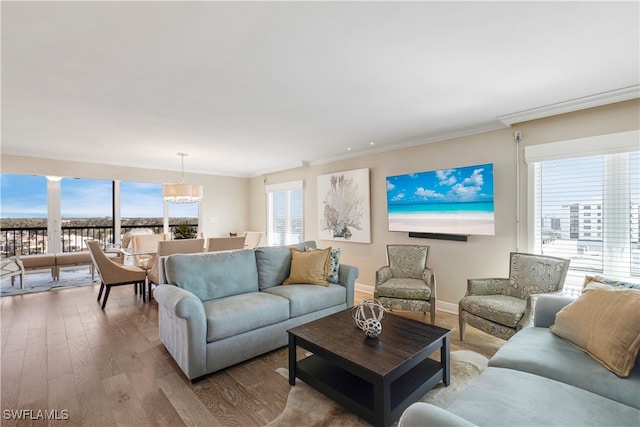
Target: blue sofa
(217,309)
(539,379)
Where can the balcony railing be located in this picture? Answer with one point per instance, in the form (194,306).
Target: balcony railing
(33,240)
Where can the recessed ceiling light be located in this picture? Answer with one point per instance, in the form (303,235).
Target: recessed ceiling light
(372,143)
(348,148)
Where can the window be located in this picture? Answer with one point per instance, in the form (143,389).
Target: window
(23,222)
(567,188)
(86,207)
(285,213)
(141,206)
(183,213)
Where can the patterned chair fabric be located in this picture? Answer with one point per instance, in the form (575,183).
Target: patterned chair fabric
(501,307)
(406,283)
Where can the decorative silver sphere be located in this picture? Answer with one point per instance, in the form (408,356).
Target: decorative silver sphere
(368,316)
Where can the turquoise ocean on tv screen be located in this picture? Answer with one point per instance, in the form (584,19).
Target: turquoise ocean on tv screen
(417,208)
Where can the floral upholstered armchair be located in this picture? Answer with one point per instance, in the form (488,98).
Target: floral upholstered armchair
(501,307)
(406,283)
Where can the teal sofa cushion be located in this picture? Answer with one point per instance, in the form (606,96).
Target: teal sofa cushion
(213,275)
(505,397)
(274,263)
(304,299)
(237,314)
(538,351)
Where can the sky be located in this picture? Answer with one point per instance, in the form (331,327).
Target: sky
(464,184)
(25,196)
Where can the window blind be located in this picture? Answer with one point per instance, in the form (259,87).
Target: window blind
(285,209)
(586,208)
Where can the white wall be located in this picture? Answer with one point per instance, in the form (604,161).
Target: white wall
(453,262)
(226,198)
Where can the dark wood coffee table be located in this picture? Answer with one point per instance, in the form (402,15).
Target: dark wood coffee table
(377,378)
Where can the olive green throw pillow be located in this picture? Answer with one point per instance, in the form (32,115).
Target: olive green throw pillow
(309,267)
(605,324)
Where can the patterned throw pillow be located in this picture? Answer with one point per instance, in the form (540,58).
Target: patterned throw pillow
(591,282)
(334,268)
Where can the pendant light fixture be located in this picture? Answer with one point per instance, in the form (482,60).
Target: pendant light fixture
(182,193)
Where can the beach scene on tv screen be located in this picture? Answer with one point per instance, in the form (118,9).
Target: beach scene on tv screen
(448,201)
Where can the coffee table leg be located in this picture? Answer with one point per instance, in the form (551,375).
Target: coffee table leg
(445,357)
(292,359)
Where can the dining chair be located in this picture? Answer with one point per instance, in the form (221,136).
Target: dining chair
(252,239)
(224,243)
(112,273)
(12,267)
(170,247)
(144,248)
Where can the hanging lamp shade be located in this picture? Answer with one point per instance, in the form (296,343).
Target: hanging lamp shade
(182,193)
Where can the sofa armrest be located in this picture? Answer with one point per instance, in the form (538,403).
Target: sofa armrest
(546,307)
(183,328)
(348,275)
(492,286)
(422,414)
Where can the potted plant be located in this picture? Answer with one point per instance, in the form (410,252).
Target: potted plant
(184,230)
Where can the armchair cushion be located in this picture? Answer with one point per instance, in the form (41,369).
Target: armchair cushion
(605,324)
(405,288)
(503,309)
(407,261)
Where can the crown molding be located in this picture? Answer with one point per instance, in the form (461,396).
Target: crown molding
(597,100)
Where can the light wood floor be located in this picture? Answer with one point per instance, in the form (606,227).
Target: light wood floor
(61,352)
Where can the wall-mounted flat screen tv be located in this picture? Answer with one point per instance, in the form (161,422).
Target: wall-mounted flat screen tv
(448,201)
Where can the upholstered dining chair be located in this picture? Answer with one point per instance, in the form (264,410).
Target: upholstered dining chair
(503,306)
(170,247)
(224,243)
(406,283)
(12,267)
(112,273)
(252,239)
(144,248)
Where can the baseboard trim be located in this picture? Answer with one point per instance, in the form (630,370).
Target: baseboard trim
(448,307)
(364,288)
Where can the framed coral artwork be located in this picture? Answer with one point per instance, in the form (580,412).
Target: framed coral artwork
(343,206)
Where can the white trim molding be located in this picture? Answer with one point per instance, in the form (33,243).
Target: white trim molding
(611,97)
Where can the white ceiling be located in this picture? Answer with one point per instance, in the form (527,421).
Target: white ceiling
(252,87)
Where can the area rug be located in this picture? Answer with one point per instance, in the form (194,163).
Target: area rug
(310,408)
(40,282)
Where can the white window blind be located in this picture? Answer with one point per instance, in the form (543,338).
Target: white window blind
(586,208)
(285,209)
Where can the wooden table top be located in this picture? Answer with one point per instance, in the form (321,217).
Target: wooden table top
(401,339)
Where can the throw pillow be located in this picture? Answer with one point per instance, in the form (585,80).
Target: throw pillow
(334,264)
(606,325)
(600,282)
(309,267)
